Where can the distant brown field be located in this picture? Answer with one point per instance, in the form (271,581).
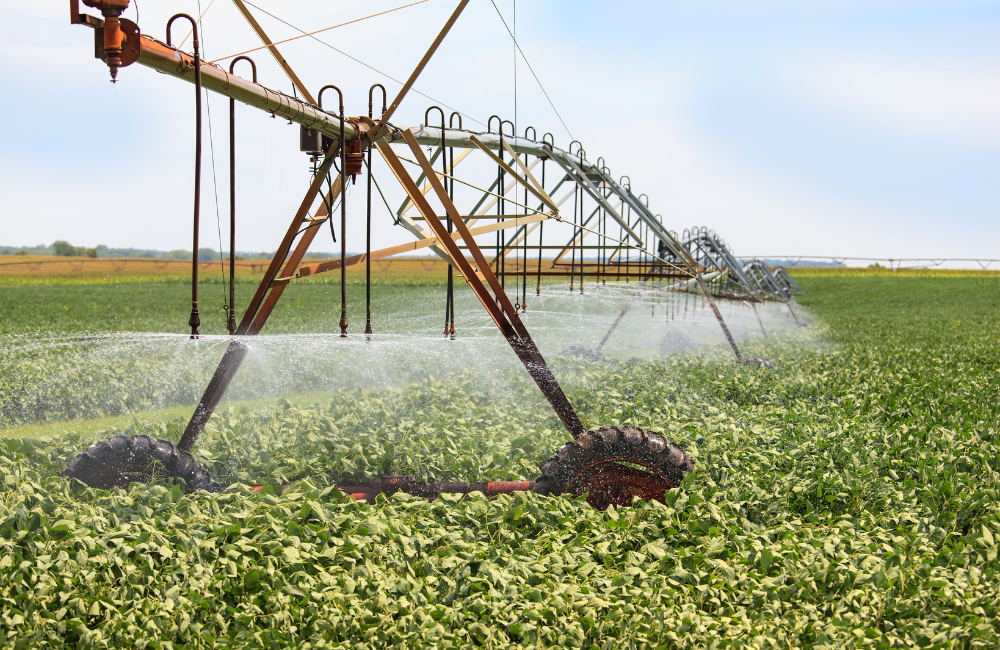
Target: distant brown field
(49,269)
(32,269)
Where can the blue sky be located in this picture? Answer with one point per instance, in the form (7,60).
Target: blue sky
(808,128)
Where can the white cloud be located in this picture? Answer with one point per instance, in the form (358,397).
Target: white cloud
(957,101)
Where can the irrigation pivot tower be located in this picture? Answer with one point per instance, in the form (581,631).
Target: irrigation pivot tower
(623,238)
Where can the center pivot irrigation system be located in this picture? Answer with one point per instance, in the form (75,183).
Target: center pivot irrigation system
(621,237)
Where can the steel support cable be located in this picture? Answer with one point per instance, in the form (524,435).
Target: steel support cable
(201,17)
(328,202)
(395,220)
(539,81)
(357,60)
(325,29)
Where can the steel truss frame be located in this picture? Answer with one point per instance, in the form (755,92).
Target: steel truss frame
(699,262)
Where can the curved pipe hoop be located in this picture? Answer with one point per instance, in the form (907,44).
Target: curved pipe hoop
(253,66)
(371,103)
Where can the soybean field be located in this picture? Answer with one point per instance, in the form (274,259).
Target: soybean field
(847,498)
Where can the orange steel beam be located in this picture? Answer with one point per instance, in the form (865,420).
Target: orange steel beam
(377,131)
(274,51)
(504,315)
(333,265)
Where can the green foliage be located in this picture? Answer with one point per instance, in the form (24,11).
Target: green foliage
(165,306)
(848,499)
(66,249)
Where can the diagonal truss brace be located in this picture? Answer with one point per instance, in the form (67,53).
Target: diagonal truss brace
(497,305)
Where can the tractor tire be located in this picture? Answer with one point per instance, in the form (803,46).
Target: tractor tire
(595,463)
(121,460)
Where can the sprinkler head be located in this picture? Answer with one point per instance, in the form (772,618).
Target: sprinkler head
(343,323)
(114,37)
(195,321)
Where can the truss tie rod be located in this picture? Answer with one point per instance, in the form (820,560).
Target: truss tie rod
(476,187)
(406,248)
(318,31)
(498,306)
(639,248)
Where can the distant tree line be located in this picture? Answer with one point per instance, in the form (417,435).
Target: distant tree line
(66,249)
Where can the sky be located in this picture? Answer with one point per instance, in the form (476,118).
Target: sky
(842,128)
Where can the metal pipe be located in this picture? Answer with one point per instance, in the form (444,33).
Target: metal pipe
(451,195)
(195,320)
(444,179)
(343,209)
(231,309)
(368,225)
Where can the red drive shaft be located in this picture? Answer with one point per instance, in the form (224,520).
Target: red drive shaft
(430,491)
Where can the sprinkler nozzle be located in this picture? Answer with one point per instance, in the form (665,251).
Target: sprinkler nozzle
(195,320)
(343,323)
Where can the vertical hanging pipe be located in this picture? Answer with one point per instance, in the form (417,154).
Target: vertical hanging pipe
(489,128)
(444,181)
(576,191)
(550,143)
(503,208)
(343,209)
(604,236)
(231,311)
(451,195)
(195,320)
(524,268)
(368,223)
(627,215)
